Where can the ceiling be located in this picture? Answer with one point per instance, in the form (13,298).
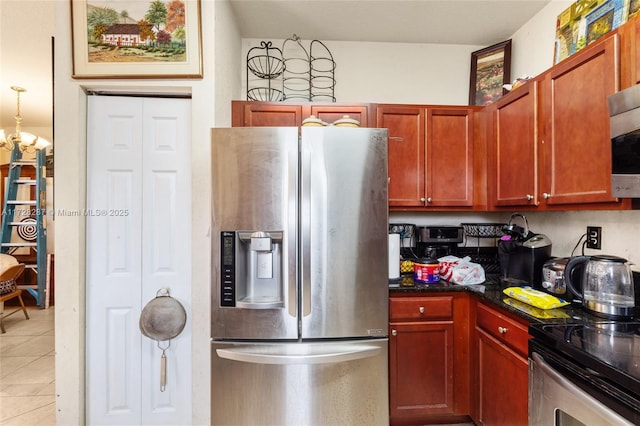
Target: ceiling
(472,22)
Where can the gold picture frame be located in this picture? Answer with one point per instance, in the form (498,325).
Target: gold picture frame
(490,70)
(136,39)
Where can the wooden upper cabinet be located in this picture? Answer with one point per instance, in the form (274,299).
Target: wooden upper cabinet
(551,144)
(431,155)
(331,113)
(257,114)
(630,53)
(449,156)
(576,144)
(406,153)
(514,157)
(635,54)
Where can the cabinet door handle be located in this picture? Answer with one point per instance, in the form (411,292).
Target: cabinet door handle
(422,200)
(394,332)
(421,309)
(529,197)
(546,195)
(429,200)
(503,330)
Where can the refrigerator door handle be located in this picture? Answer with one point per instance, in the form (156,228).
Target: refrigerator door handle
(305,226)
(313,195)
(299,353)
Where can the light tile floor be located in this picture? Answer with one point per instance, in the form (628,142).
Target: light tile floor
(27,377)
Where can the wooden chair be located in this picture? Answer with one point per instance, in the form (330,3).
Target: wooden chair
(12,273)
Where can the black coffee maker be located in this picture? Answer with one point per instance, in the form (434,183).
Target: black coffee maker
(522,254)
(438,241)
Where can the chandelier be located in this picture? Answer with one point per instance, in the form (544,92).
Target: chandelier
(27,142)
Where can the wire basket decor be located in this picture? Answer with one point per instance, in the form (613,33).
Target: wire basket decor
(291,73)
(483,230)
(267,94)
(406,230)
(323,69)
(297,74)
(267,65)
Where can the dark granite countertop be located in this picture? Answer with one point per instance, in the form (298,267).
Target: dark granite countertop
(491,291)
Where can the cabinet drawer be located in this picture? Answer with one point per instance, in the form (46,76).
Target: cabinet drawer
(507,330)
(418,308)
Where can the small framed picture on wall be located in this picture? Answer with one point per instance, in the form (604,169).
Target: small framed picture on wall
(490,70)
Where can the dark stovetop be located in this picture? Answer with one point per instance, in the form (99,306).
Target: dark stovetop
(611,350)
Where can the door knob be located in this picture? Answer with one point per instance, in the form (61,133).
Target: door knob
(421,309)
(546,195)
(529,197)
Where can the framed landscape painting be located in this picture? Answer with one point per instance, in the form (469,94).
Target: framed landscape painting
(490,70)
(136,39)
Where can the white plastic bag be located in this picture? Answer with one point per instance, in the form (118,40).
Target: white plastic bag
(461,271)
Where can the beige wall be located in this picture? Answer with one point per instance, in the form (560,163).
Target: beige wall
(425,73)
(393,72)
(26,28)
(533,43)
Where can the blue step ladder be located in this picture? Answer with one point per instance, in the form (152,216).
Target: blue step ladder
(37,215)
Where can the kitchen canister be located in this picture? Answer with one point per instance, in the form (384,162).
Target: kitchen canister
(426,271)
(394,256)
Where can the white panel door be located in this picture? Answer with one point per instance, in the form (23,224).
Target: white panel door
(166,251)
(138,241)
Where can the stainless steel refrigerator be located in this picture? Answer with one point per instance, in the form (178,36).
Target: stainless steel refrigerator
(299,276)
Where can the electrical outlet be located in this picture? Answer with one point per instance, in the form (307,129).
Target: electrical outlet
(594,237)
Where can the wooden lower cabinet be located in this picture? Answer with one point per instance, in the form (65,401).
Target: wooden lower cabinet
(428,358)
(454,357)
(502,385)
(422,369)
(501,368)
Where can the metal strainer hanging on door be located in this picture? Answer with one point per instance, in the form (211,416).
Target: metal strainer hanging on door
(162,319)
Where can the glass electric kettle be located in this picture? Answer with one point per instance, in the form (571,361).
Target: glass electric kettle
(607,288)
